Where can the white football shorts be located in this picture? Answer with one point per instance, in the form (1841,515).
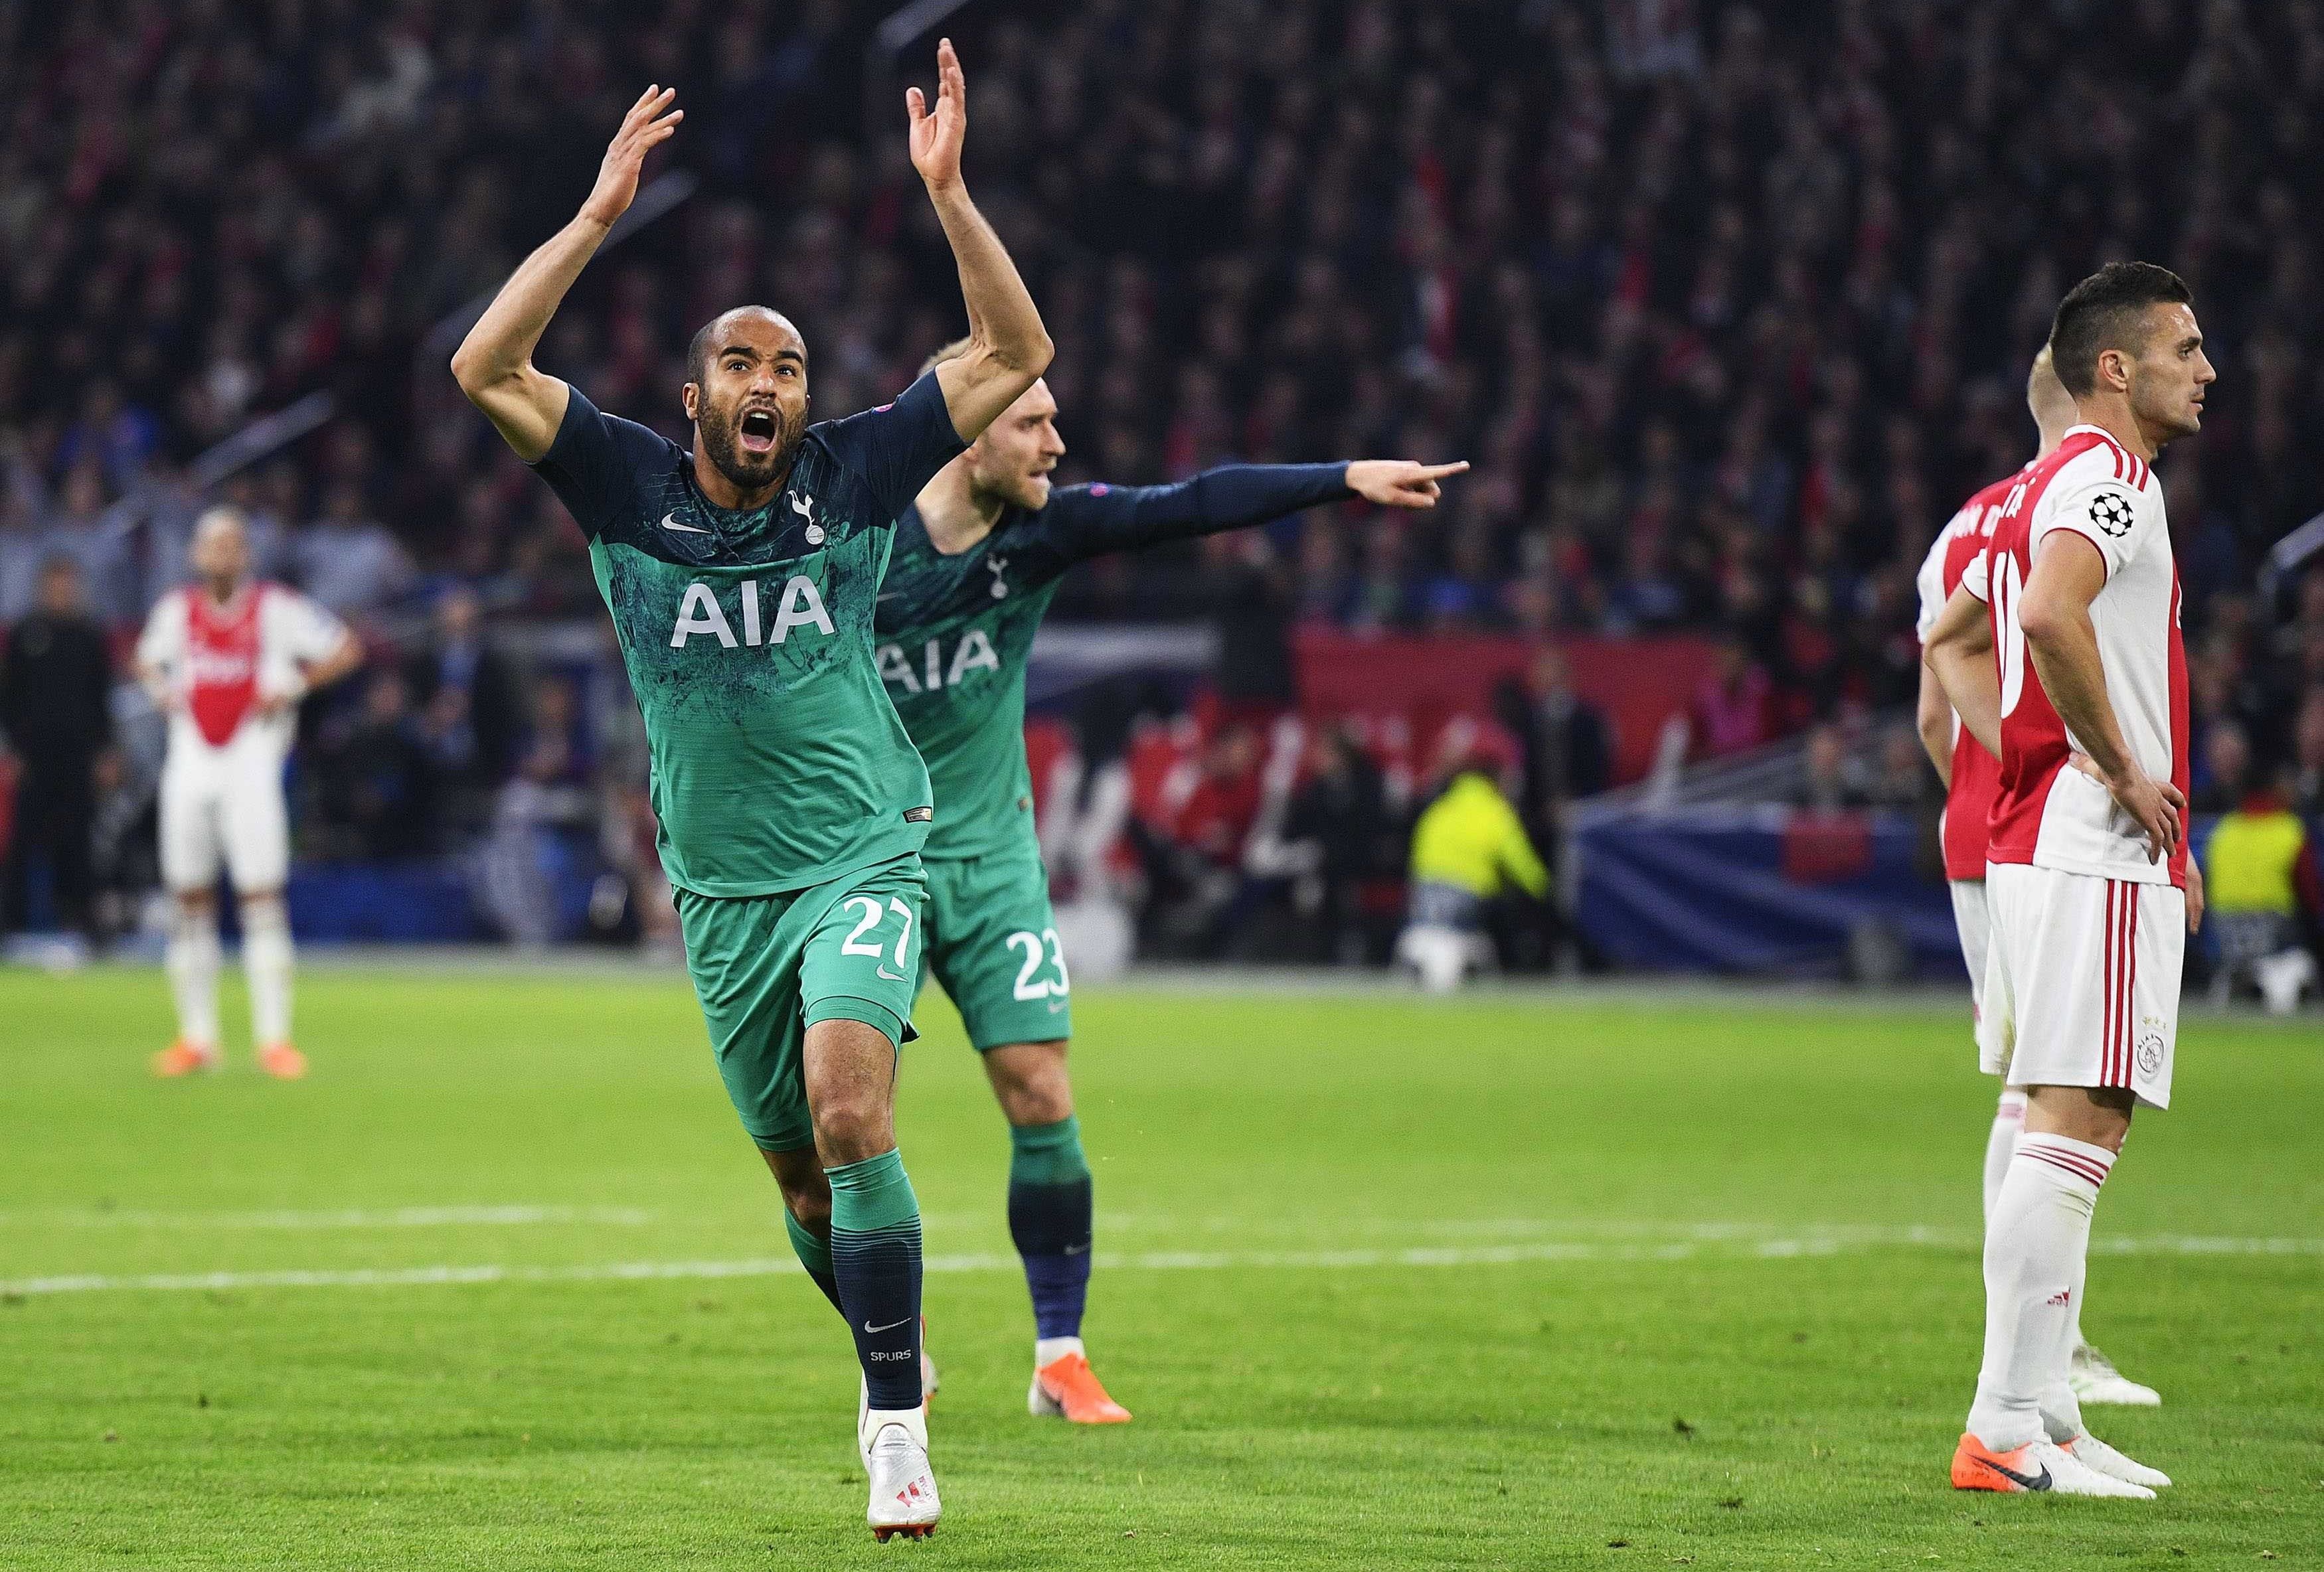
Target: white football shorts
(1971,922)
(227,808)
(2082,980)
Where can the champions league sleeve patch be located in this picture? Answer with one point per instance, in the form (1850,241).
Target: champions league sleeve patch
(2112,512)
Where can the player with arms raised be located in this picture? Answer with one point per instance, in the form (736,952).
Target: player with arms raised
(740,576)
(979,557)
(2074,676)
(227,660)
(1971,778)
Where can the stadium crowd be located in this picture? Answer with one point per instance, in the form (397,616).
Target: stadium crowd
(1730,305)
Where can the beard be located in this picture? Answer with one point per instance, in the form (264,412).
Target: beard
(749,472)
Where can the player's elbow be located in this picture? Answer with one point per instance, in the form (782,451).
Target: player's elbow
(475,371)
(2042,619)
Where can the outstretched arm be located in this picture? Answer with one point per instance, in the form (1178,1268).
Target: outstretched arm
(1008,347)
(1092,521)
(493,364)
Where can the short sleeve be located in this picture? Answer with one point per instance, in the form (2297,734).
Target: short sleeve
(307,631)
(2104,511)
(163,642)
(1929,582)
(594,464)
(1976,577)
(896,447)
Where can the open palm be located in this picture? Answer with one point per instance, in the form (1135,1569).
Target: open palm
(937,137)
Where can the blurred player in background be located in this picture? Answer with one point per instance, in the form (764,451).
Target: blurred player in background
(741,577)
(979,556)
(2076,678)
(227,659)
(1971,777)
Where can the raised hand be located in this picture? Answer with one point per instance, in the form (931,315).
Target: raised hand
(937,137)
(643,129)
(1398,483)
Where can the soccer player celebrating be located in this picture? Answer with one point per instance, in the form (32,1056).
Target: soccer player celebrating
(2075,677)
(979,557)
(1972,775)
(227,661)
(741,576)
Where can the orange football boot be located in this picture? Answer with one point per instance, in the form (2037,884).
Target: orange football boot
(1069,1389)
(1976,1467)
(184,1058)
(282,1061)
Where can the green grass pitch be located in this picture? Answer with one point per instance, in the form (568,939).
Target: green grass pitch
(1510,1280)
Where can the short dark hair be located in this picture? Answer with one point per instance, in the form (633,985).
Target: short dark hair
(697,352)
(699,347)
(2099,313)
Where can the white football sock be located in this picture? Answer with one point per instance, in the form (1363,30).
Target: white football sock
(191,960)
(266,963)
(2036,1248)
(2001,1144)
(1048,1351)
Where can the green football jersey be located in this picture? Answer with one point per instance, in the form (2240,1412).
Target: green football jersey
(955,632)
(778,762)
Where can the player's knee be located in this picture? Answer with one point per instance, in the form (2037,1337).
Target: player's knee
(195,902)
(852,1124)
(1030,1082)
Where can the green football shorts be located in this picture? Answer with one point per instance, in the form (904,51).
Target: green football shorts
(766,967)
(993,943)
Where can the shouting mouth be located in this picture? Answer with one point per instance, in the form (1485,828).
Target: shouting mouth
(756,431)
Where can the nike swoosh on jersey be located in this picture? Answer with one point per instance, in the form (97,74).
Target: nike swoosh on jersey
(669,521)
(891,975)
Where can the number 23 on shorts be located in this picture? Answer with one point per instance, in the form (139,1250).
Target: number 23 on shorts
(871,915)
(1036,948)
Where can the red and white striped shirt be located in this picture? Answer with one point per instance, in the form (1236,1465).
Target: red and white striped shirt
(221,661)
(2047,813)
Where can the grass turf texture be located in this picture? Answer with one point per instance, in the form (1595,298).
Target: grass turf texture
(1619,1385)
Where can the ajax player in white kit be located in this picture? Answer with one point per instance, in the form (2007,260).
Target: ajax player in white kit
(227,660)
(1972,777)
(2077,678)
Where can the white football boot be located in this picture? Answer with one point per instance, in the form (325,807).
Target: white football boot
(2088,1449)
(2037,1465)
(903,1486)
(2094,1379)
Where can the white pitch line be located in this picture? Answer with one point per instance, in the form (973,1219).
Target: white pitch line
(347,1218)
(1777,1248)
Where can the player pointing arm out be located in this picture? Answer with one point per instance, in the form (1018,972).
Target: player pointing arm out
(742,576)
(979,557)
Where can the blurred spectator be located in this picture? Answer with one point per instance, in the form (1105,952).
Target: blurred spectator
(1734,710)
(1899,777)
(348,561)
(1826,784)
(468,709)
(2264,898)
(1469,850)
(1564,746)
(2222,772)
(1340,823)
(55,704)
(379,785)
(543,817)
